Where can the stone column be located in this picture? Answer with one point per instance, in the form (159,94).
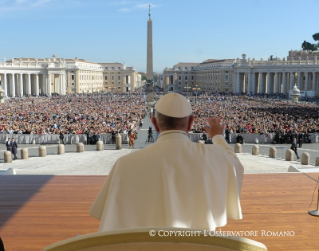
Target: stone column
(258,86)
(13,82)
(49,85)
(65,84)
(250,83)
(314,81)
(284,83)
(298,81)
(45,83)
(238,90)
(292,80)
(167,82)
(306,81)
(29,84)
(276,83)
(262,84)
(61,83)
(175,81)
(259,77)
(37,85)
(233,82)
(21,85)
(129,83)
(253,83)
(268,83)
(5,85)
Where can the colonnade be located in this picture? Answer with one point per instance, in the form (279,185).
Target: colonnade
(21,84)
(276,82)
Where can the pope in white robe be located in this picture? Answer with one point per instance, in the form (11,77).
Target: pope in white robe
(172,183)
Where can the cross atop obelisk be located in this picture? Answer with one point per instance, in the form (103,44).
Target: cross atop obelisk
(149,66)
(149,11)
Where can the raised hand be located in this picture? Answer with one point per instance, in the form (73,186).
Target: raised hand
(215,127)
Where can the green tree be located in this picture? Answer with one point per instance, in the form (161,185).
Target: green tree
(315,36)
(308,46)
(143,74)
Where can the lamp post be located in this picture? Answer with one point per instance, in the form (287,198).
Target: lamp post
(196,95)
(187,87)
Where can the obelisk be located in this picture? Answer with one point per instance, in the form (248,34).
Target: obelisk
(149,66)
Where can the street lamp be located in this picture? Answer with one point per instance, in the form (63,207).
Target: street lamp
(196,95)
(187,87)
(196,89)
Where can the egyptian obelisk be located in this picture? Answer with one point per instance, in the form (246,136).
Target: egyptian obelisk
(149,66)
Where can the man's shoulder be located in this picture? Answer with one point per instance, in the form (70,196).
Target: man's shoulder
(139,154)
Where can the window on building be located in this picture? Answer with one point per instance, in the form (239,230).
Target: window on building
(119,88)
(72,77)
(118,77)
(185,77)
(73,84)
(226,77)
(105,77)
(226,84)
(112,77)
(119,83)
(192,77)
(112,83)
(179,77)
(179,83)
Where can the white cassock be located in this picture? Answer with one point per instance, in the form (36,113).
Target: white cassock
(172,183)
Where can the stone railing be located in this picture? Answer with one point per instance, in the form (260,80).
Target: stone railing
(31,64)
(275,62)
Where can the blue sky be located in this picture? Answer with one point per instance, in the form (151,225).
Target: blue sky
(183,31)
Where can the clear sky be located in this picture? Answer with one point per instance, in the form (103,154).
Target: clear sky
(183,30)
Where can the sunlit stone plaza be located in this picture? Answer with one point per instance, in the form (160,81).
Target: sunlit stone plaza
(123,155)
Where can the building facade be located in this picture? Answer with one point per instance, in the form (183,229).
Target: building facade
(276,76)
(247,76)
(30,76)
(119,78)
(210,76)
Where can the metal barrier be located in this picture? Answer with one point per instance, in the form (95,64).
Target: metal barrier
(252,137)
(55,138)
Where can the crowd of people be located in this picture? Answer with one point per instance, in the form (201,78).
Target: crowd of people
(107,113)
(72,114)
(244,114)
